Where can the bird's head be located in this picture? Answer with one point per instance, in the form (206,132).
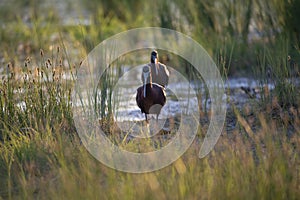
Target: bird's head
(154,57)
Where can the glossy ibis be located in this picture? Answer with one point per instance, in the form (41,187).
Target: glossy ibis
(150,97)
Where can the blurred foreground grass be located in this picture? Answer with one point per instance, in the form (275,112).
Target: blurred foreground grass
(259,158)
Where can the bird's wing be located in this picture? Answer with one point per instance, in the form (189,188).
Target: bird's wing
(164,73)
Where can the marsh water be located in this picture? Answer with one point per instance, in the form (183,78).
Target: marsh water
(182,95)
(183,98)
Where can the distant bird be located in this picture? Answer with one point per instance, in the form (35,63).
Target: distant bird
(150,97)
(160,73)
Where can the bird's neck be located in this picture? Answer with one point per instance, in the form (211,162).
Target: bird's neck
(156,66)
(147,90)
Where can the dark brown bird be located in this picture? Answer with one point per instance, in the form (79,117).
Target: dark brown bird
(150,97)
(159,72)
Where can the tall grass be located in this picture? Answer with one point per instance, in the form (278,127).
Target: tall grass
(275,68)
(244,164)
(258,158)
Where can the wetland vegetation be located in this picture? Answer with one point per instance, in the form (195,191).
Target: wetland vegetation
(43,45)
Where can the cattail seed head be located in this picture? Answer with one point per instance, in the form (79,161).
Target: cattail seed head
(49,61)
(42,52)
(28,60)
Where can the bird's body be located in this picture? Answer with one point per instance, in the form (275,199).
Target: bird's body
(150,97)
(160,73)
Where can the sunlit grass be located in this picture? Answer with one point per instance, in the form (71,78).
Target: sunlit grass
(42,157)
(244,164)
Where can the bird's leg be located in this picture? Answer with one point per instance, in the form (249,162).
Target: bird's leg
(146,117)
(157,117)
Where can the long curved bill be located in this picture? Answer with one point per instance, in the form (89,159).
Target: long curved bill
(156,66)
(145,82)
